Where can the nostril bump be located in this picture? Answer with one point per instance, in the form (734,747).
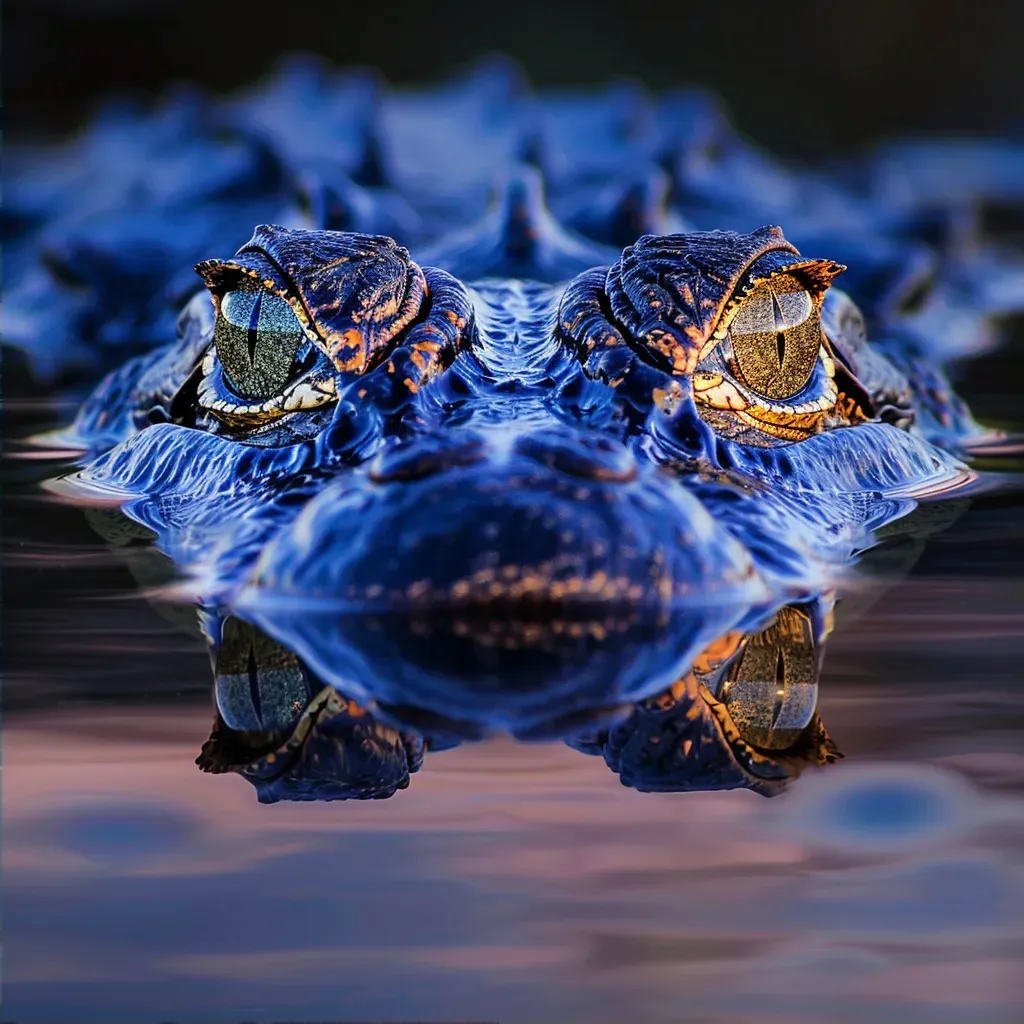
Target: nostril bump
(416,462)
(583,456)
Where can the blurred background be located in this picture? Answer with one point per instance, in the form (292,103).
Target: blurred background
(800,77)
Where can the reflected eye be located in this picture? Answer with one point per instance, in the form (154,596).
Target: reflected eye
(773,690)
(775,337)
(257,337)
(260,686)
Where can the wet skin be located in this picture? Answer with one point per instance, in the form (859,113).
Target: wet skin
(518,478)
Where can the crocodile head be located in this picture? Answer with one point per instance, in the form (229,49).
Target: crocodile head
(354,451)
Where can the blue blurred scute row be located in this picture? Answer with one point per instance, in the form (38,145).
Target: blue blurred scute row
(101,231)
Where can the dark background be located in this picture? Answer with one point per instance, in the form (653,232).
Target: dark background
(808,79)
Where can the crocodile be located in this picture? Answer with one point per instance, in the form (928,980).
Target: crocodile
(588,460)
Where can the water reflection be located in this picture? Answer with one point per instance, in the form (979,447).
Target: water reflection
(292,746)
(743,717)
(523,877)
(311,705)
(512,882)
(739,711)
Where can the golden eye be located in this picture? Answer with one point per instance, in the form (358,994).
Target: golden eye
(775,338)
(257,338)
(773,692)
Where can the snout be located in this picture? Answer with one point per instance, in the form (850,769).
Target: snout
(515,526)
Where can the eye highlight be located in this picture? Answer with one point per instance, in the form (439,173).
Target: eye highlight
(257,338)
(775,337)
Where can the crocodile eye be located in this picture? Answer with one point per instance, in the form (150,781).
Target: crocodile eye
(260,685)
(775,336)
(257,337)
(773,690)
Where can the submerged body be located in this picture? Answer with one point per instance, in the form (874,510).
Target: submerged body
(595,461)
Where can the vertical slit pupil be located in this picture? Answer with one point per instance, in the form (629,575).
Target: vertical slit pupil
(780,685)
(254,684)
(252,336)
(780,329)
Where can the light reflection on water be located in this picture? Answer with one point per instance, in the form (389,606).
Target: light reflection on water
(509,882)
(514,882)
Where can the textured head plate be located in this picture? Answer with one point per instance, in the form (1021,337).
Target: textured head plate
(353,292)
(670,291)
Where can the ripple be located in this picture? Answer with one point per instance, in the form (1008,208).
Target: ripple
(122,833)
(884,807)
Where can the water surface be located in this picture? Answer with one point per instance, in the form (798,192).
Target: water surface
(511,882)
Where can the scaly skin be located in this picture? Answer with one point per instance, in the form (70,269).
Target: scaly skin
(632,463)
